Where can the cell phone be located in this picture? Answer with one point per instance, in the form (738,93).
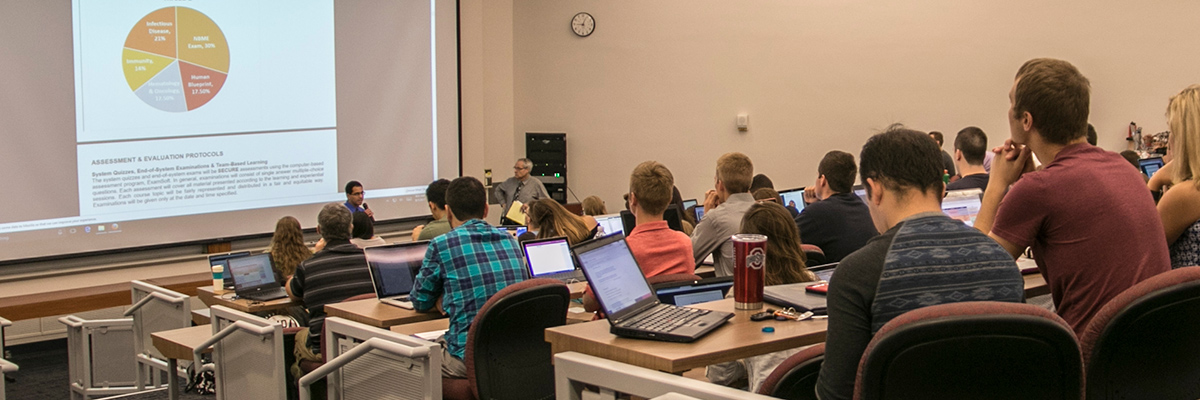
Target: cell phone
(820,288)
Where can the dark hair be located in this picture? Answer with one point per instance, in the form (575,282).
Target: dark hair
(785,259)
(334,222)
(1092,137)
(436,192)
(1056,95)
(972,142)
(466,198)
(838,168)
(902,159)
(363,228)
(677,199)
(938,137)
(351,185)
(1133,158)
(768,194)
(761,181)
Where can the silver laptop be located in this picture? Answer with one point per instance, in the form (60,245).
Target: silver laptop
(963,205)
(551,258)
(254,279)
(610,224)
(393,269)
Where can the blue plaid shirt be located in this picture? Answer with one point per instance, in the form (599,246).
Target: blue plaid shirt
(465,267)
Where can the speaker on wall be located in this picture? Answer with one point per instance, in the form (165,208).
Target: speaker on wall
(548,152)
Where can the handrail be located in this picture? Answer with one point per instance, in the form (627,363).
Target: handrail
(7,366)
(152,295)
(237,325)
(358,351)
(76,322)
(4,322)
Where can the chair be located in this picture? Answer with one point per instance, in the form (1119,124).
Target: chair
(308,366)
(575,373)
(671,278)
(814,254)
(507,356)
(796,377)
(155,309)
(372,363)
(972,350)
(1142,344)
(247,353)
(101,359)
(5,365)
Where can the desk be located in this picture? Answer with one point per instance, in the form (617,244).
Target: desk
(423,326)
(206,295)
(177,344)
(1035,285)
(379,315)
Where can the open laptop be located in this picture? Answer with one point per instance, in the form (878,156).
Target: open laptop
(963,205)
(551,258)
(630,304)
(1150,165)
(689,203)
(253,278)
(223,261)
(686,293)
(699,213)
(791,196)
(393,269)
(610,224)
(861,192)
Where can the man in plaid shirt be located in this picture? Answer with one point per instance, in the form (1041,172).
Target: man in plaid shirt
(465,267)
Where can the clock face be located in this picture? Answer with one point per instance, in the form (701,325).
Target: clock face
(583,24)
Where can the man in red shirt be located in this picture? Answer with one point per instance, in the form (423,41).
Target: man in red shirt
(658,249)
(1087,216)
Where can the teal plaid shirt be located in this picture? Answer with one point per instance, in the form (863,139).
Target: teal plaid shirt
(465,267)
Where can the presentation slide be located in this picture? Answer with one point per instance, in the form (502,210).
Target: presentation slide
(153,122)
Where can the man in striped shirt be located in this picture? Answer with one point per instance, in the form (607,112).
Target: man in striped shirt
(464,268)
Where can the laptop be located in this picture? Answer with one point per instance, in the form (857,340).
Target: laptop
(963,205)
(686,293)
(861,192)
(824,271)
(253,278)
(1150,165)
(671,215)
(630,304)
(699,213)
(796,296)
(551,258)
(393,269)
(610,224)
(689,203)
(515,230)
(223,261)
(793,196)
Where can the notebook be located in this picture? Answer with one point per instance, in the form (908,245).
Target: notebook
(687,293)
(793,196)
(253,278)
(551,258)
(223,261)
(393,269)
(963,205)
(795,296)
(630,304)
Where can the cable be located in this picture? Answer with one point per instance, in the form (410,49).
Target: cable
(573,194)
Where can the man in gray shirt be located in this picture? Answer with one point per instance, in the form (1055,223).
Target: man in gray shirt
(521,187)
(724,207)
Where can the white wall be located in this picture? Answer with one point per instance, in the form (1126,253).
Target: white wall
(664,79)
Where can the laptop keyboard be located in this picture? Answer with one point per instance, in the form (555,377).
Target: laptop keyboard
(264,296)
(666,318)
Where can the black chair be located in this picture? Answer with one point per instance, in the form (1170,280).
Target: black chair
(1144,343)
(796,377)
(972,350)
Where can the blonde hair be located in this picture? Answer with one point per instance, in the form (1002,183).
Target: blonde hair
(735,171)
(592,205)
(287,246)
(653,186)
(553,220)
(1183,119)
(785,260)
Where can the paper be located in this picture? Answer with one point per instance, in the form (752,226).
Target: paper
(431,335)
(514,212)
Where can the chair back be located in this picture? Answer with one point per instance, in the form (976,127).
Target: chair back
(1143,343)
(372,363)
(156,309)
(972,350)
(796,377)
(507,355)
(671,278)
(247,355)
(814,254)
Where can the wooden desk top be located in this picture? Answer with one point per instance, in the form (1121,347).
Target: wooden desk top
(423,326)
(179,343)
(206,295)
(577,289)
(1035,285)
(379,315)
(738,338)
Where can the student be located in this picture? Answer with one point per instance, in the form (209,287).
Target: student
(724,207)
(551,219)
(465,267)
(287,248)
(593,206)
(436,196)
(1179,208)
(923,257)
(1093,228)
(363,232)
(839,223)
(356,199)
(785,265)
(947,161)
(658,249)
(970,146)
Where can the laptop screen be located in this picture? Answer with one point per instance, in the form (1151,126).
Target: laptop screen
(1150,165)
(223,261)
(963,205)
(793,197)
(701,291)
(548,256)
(699,213)
(393,267)
(861,192)
(610,224)
(689,203)
(614,275)
(251,271)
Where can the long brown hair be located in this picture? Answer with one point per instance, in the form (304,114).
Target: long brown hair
(287,246)
(785,261)
(553,220)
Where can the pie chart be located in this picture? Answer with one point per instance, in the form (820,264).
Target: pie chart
(175,59)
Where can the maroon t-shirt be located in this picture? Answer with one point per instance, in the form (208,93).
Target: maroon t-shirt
(1092,226)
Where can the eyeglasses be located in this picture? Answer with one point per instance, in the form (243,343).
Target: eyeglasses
(358,193)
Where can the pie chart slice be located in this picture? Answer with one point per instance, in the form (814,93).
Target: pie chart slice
(175,59)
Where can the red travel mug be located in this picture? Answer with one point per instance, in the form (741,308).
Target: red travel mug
(750,255)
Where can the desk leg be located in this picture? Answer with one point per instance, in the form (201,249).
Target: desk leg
(172,379)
